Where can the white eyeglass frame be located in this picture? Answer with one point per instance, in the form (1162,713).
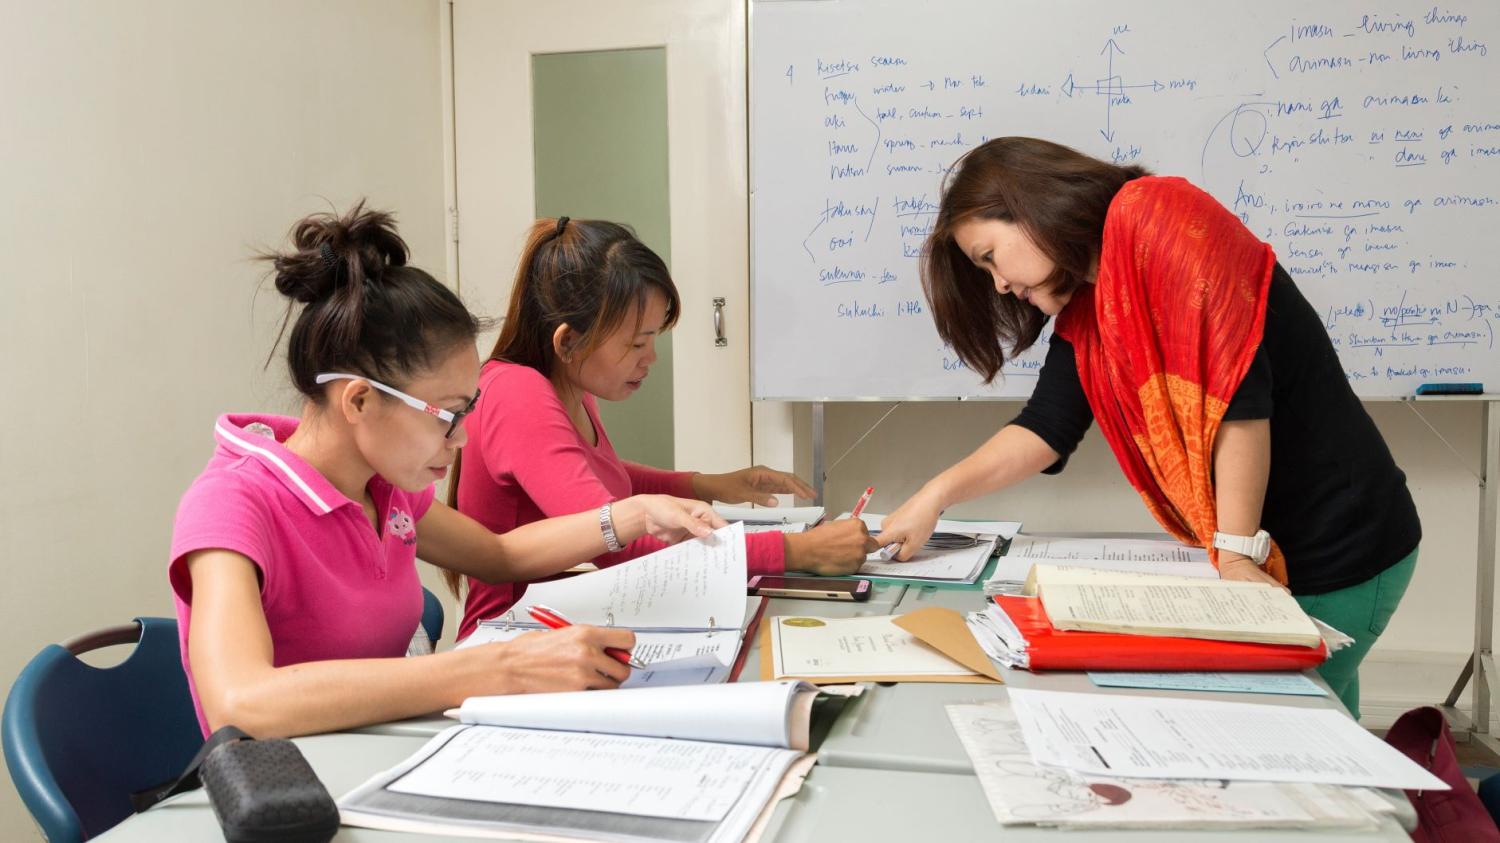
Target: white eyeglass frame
(412,401)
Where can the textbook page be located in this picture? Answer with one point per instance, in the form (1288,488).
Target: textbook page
(757,713)
(1021,792)
(1174,738)
(1194,609)
(830,648)
(697,584)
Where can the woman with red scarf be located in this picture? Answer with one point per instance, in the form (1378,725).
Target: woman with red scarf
(1211,377)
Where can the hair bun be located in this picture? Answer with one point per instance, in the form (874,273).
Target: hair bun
(337,252)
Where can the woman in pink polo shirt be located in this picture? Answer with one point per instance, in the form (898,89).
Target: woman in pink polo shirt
(293,554)
(588,302)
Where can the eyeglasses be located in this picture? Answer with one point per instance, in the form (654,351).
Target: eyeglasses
(453,419)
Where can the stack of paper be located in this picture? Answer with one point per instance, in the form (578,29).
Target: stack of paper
(781,519)
(1015,631)
(1022,792)
(958,556)
(686,604)
(651,764)
(1177,738)
(1181,607)
(1142,556)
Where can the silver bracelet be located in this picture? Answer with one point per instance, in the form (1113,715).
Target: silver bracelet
(607,527)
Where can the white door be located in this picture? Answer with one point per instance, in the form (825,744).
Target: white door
(493,42)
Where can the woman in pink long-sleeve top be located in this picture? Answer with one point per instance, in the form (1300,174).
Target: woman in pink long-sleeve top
(588,302)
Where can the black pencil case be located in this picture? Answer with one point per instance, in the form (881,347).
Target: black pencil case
(259,790)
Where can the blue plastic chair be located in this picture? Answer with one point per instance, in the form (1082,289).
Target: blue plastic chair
(432,616)
(80,739)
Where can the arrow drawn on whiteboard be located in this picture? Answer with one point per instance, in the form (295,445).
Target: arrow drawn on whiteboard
(875,147)
(1268,58)
(822,219)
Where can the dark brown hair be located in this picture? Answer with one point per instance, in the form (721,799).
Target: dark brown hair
(364,311)
(586,274)
(1057,196)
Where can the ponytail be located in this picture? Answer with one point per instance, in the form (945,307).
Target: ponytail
(587,274)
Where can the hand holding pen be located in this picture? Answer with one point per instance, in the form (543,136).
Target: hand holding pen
(553,619)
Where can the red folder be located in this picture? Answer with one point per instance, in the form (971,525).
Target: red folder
(1052,649)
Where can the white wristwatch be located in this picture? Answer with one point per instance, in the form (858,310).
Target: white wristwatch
(1257,547)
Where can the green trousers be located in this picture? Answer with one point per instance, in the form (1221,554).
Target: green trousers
(1360,611)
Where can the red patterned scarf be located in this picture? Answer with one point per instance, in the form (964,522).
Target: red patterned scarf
(1163,339)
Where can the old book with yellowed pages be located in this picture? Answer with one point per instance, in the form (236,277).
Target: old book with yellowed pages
(1179,607)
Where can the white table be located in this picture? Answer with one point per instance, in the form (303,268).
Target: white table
(890,771)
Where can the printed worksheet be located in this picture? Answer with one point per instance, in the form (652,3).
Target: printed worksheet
(1174,738)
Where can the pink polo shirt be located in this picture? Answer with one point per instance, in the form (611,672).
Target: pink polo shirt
(525,461)
(331,587)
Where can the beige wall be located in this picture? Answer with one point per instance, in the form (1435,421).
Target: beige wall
(146,148)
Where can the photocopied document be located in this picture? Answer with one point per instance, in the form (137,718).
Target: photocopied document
(1249,682)
(698,584)
(1142,604)
(618,774)
(695,765)
(1136,551)
(832,648)
(1173,738)
(1021,792)
(1011,571)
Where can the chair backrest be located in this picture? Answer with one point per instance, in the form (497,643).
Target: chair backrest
(80,739)
(432,616)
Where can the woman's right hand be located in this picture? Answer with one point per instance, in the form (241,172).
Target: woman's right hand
(911,525)
(568,659)
(664,518)
(835,548)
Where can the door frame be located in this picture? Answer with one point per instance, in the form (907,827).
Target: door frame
(488,50)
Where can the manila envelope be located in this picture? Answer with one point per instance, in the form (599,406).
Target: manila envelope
(941,628)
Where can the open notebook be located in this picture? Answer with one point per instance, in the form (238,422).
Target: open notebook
(694,765)
(686,604)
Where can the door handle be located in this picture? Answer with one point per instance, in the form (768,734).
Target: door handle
(719,339)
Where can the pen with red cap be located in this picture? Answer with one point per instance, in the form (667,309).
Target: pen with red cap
(553,619)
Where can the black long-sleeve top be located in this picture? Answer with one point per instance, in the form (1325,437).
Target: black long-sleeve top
(1336,502)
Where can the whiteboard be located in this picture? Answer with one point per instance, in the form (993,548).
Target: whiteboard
(1361,140)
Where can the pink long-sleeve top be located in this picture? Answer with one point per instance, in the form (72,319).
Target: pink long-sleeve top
(525,461)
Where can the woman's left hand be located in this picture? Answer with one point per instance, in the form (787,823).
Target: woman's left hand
(756,484)
(1233,566)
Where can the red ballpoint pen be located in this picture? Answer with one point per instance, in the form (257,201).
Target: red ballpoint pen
(863,500)
(553,619)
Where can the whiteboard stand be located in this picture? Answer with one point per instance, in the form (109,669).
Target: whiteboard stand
(817,452)
(1481,665)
